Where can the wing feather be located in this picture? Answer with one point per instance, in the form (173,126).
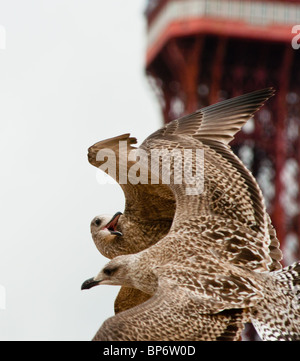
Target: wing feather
(158,197)
(170,315)
(220,121)
(230,190)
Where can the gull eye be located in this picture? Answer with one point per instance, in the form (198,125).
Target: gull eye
(97,222)
(107,272)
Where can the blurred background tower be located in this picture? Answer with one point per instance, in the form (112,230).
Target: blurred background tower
(203,51)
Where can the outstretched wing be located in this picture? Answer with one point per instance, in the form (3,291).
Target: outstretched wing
(226,187)
(171,315)
(143,201)
(229,189)
(218,122)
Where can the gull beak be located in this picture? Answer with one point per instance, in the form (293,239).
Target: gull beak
(111,225)
(89,284)
(116,233)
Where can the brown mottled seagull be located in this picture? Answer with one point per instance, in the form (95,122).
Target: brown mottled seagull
(200,297)
(150,208)
(213,264)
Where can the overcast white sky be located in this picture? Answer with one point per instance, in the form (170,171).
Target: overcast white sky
(72,74)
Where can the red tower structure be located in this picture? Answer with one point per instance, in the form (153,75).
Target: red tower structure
(203,51)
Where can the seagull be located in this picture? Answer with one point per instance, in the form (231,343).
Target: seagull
(232,193)
(196,296)
(220,244)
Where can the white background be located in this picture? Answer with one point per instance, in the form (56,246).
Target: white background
(72,74)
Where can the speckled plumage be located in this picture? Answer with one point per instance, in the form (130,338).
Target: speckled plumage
(233,191)
(199,296)
(212,267)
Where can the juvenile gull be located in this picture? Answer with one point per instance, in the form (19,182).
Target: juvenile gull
(209,275)
(231,192)
(197,296)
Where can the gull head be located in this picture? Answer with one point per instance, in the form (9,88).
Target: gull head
(117,272)
(104,229)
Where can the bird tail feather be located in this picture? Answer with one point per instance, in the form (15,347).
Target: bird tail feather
(278,317)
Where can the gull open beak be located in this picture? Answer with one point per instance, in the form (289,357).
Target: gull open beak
(112,224)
